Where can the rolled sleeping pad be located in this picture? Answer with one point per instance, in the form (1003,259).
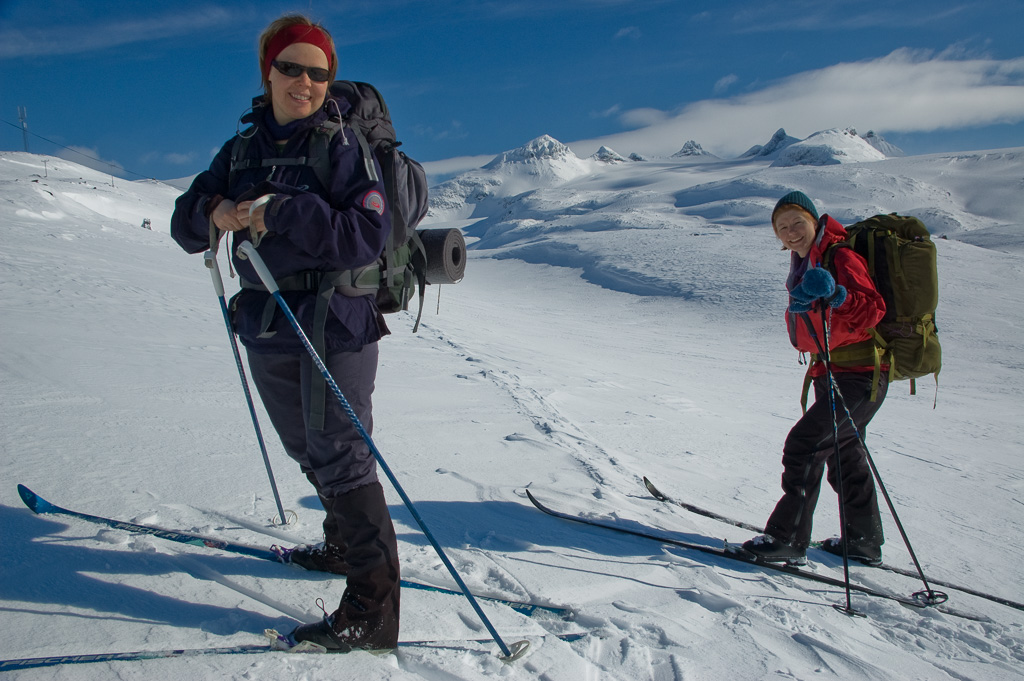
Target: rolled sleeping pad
(446,255)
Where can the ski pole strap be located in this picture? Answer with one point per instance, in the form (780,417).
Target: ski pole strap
(349,282)
(254,235)
(214,237)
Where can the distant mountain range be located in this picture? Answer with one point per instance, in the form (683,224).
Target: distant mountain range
(546,162)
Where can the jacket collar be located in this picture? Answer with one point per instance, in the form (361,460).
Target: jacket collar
(334,108)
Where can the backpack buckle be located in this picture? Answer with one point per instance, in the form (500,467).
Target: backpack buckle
(311,279)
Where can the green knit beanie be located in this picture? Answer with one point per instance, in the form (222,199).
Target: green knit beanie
(796,199)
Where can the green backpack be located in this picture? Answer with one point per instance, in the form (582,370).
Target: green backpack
(901,261)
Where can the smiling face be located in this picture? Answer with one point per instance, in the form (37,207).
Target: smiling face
(298,97)
(796,229)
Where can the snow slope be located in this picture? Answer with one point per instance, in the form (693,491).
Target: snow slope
(120,398)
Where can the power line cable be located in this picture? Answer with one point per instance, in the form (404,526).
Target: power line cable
(76,151)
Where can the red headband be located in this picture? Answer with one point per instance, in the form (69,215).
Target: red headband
(298,33)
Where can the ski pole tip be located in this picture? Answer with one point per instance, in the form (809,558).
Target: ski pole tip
(930,597)
(516,651)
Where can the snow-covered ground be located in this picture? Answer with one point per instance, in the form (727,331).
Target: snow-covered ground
(617,320)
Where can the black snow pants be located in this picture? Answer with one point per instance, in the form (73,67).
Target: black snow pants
(810,446)
(337,457)
(341,467)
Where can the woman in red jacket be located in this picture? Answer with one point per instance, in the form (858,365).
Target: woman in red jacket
(842,309)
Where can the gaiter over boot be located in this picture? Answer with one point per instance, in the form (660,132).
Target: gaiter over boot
(368,616)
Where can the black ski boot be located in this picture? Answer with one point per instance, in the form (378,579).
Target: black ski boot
(368,616)
(328,555)
(768,549)
(864,538)
(866,553)
(321,557)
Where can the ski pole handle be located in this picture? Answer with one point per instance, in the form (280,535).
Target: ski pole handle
(246,251)
(210,260)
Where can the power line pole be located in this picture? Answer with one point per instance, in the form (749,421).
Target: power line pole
(23,117)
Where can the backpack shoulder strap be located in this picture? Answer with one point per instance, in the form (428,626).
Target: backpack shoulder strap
(319,151)
(828,257)
(239,151)
(364,147)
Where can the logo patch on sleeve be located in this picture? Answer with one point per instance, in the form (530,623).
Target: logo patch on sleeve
(374,200)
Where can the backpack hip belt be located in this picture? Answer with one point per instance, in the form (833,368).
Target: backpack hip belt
(866,353)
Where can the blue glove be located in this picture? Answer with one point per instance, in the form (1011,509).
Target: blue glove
(839,297)
(817,283)
(797,307)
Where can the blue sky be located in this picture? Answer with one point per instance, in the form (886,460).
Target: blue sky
(154,88)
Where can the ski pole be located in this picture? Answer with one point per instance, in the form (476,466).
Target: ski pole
(247,251)
(826,358)
(928,596)
(210,259)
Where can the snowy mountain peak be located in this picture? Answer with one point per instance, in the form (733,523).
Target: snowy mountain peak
(879,142)
(828,147)
(779,141)
(606,155)
(543,148)
(691,148)
(542,162)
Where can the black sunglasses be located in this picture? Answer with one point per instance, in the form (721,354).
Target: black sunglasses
(287,68)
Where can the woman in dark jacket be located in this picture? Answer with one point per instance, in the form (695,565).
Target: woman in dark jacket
(851,306)
(307,225)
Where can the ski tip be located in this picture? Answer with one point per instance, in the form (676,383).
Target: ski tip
(655,492)
(33,501)
(533,499)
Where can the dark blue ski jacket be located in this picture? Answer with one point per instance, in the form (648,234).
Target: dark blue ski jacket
(310,227)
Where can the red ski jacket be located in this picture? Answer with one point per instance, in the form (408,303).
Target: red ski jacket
(848,323)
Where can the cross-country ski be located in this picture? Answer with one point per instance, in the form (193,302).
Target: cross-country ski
(661,496)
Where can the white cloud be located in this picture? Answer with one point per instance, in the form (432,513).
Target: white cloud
(607,113)
(636,118)
(630,32)
(440,170)
(905,91)
(180,159)
(76,39)
(174,158)
(725,83)
(452,132)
